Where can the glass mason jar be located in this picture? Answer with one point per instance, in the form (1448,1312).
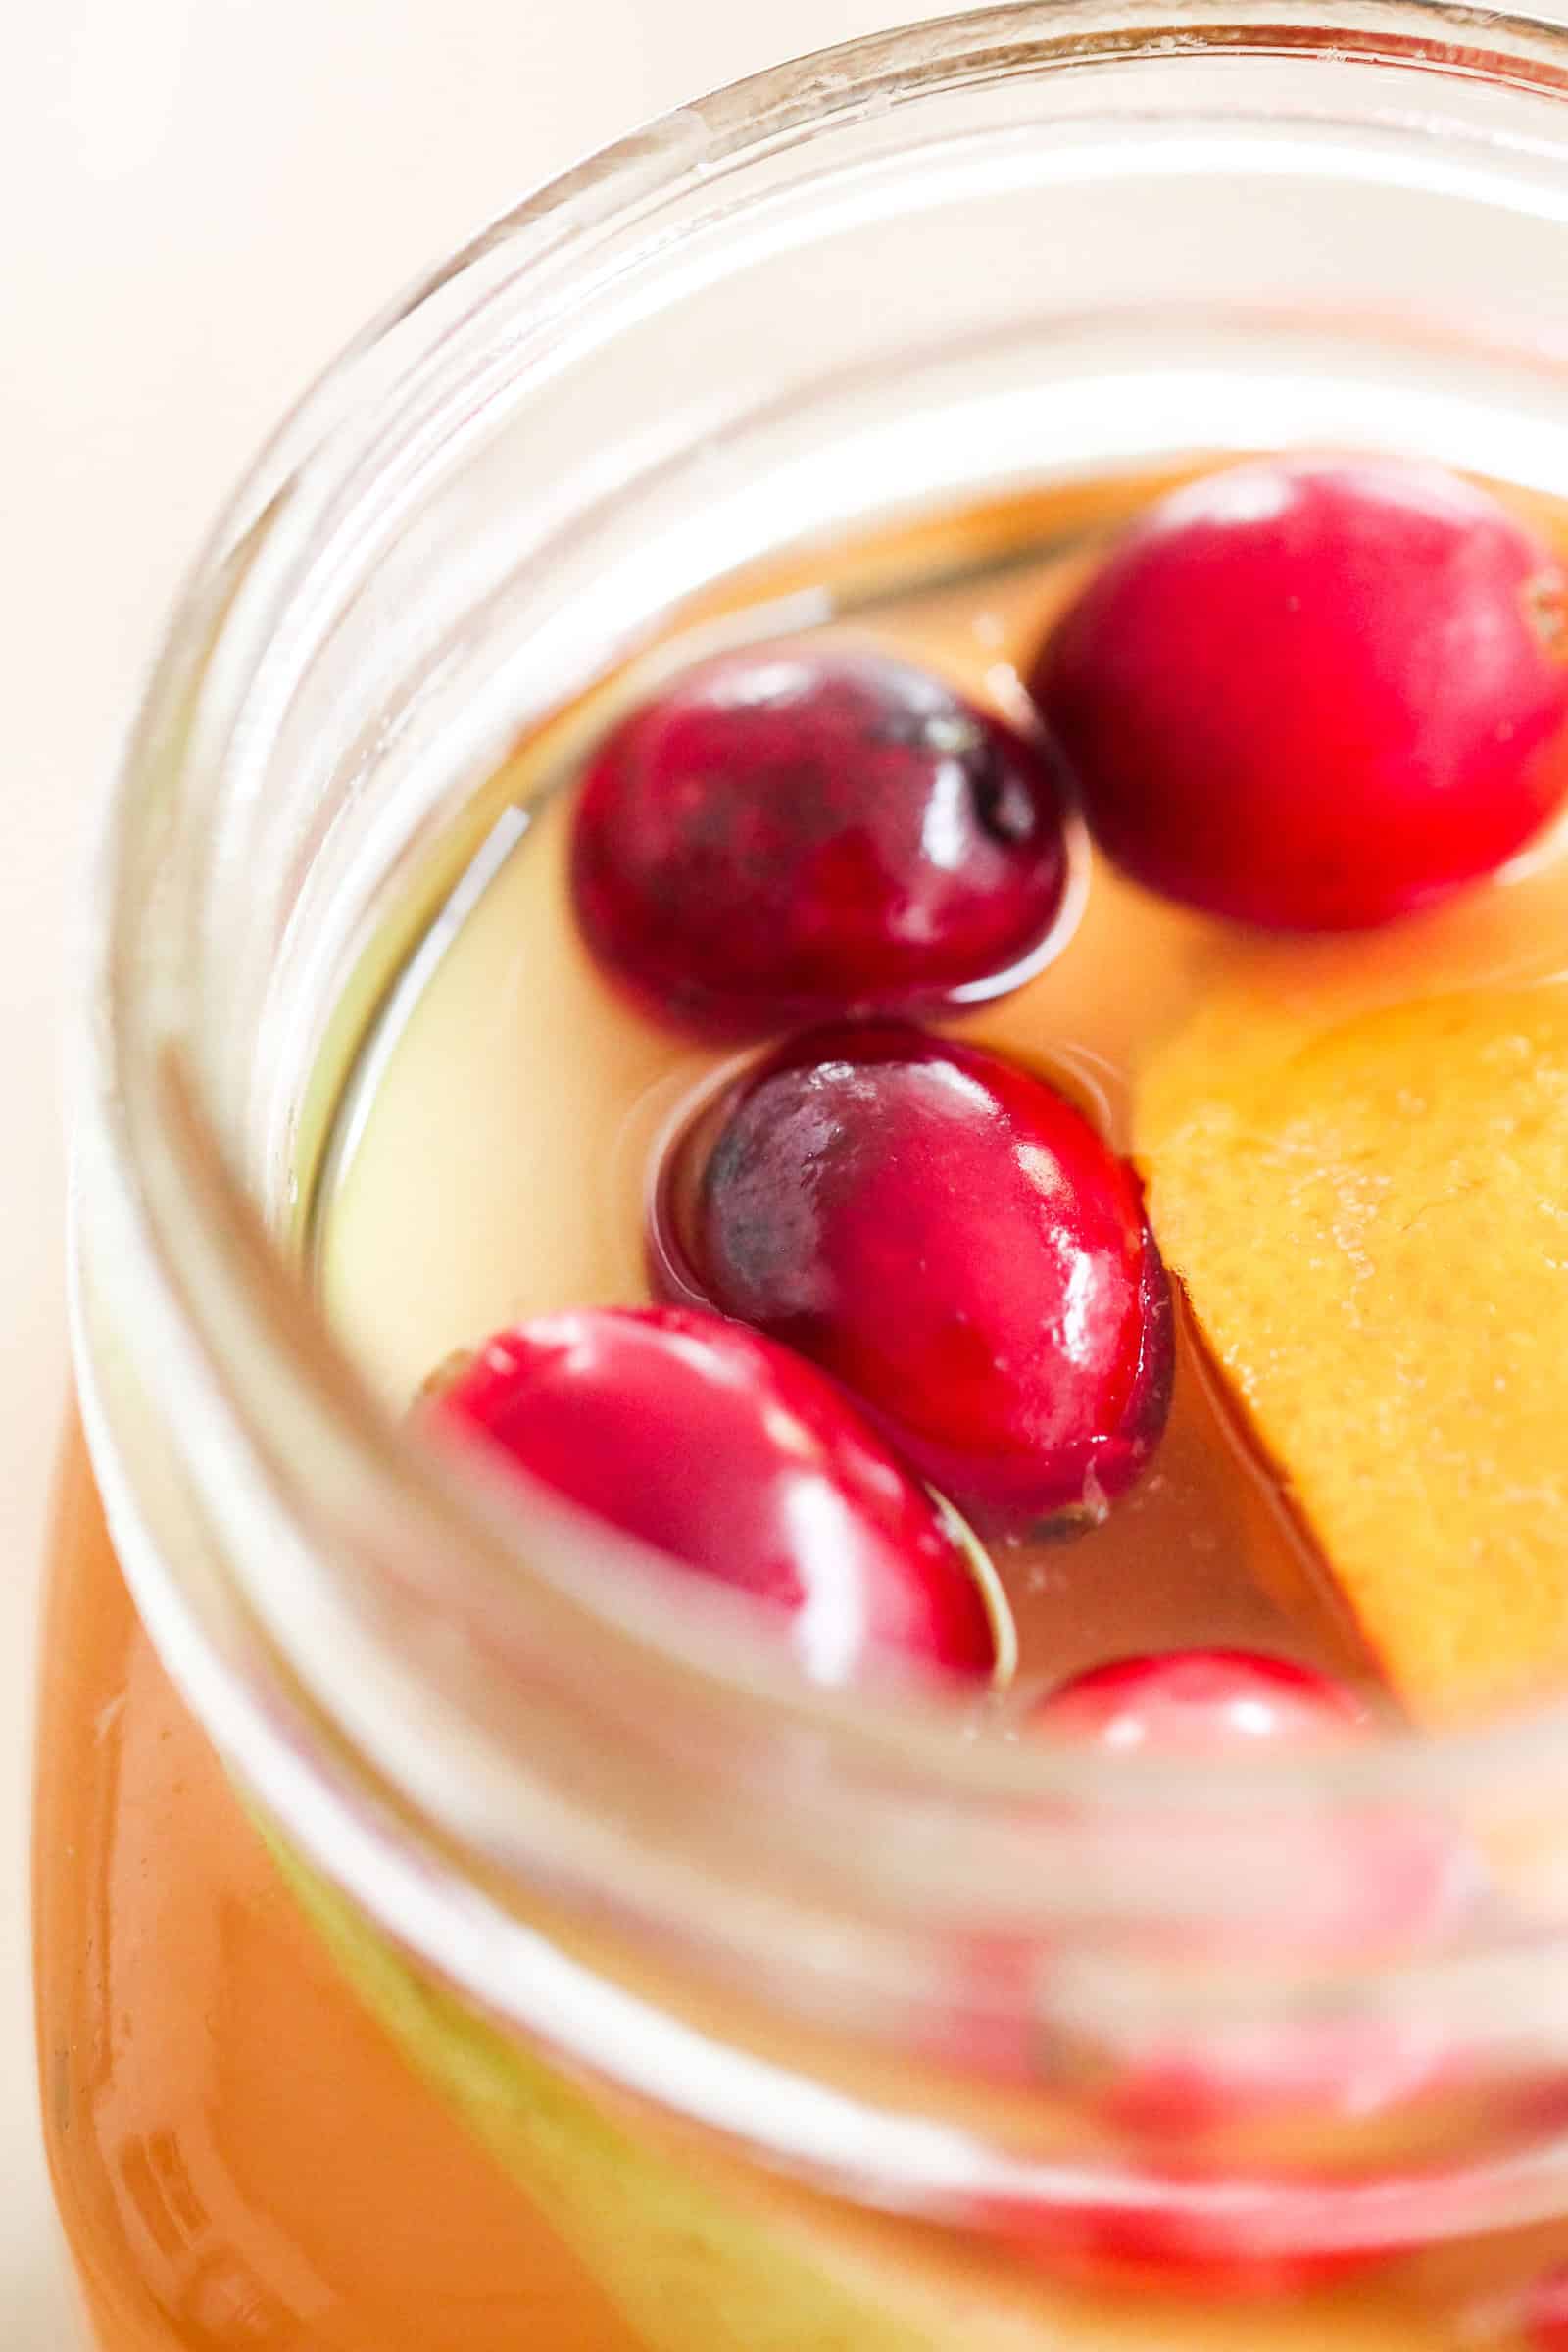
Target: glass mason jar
(461,1959)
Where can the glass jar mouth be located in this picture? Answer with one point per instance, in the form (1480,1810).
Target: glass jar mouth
(320,1509)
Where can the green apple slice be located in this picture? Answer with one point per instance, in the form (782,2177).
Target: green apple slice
(706,2255)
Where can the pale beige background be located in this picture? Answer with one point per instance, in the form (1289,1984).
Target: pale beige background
(202,198)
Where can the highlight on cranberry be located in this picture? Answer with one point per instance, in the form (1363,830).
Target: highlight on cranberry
(740,1462)
(1203,1701)
(790,832)
(948,1237)
(1315,692)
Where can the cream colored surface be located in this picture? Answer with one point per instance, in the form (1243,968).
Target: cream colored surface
(203,198)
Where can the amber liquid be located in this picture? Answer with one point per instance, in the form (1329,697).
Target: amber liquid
(242,2158)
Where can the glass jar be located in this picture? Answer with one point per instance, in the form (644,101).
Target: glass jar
(459,1959)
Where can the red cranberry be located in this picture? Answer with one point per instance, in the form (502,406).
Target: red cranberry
(1192,1701)
(948,1237)
(743,1464)
(1359,1882)
(1254,2244)
(1366,1876)
(1315,694)
(792,832)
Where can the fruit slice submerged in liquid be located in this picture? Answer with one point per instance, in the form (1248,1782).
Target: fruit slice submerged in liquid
(700,2251)
(1372,1226)
(792,832)
(1315,692)
(743,1464)
(950,1237)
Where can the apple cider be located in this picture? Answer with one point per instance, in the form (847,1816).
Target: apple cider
(814,1589)
(249,2149)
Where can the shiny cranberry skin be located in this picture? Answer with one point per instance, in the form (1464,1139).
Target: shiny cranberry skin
(950,1237)
(733,1458)
(1315,694)
(1365,1876)
(792,832)
(1202,1701)
(1359,1883)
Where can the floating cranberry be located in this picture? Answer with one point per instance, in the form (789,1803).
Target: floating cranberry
(1241,2235)
(1233,2241)
(1352,1883)
(1315,694)
(950,1237)
(1197,1701)
(1360,1873)
(742,1463)
(791,832)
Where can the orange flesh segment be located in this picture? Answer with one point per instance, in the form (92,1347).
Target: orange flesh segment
(1372,1226)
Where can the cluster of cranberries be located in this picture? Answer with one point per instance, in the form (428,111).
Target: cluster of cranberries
(1299,693)
(902,1278)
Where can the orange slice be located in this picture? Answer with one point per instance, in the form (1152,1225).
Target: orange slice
(1371,1222)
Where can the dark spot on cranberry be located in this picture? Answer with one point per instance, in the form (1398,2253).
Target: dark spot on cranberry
(794,832)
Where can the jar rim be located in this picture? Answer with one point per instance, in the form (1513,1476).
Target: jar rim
(217,1307)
